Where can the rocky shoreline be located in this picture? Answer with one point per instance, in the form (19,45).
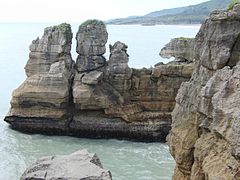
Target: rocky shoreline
(93,97)
(100,98)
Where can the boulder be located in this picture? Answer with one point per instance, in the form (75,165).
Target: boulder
(80,165)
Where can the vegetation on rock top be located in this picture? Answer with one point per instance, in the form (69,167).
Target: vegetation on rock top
(184,38)
(94,22)
(65,28)
(232,4)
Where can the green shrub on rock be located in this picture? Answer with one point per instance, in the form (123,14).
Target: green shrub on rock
(232,4)
(93,22)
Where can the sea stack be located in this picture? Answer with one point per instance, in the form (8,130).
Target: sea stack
(91,39)
(205,135)
(42,101)
(93,97)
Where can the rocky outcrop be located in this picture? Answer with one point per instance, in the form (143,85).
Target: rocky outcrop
(45,93)
(204,139)
(94,98)
(119,74)
(80,165)
(182,49)
(91,39)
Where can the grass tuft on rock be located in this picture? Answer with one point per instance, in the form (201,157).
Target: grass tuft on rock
(94,22)
(232,4)
(65,28)
(184,38)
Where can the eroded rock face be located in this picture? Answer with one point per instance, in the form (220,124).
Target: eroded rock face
(182,49)
(80,165)
(45,92)
(204,139)
(93,98)
(91,39)
(54,46)
(118,72)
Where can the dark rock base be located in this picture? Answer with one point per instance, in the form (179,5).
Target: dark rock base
(95,125)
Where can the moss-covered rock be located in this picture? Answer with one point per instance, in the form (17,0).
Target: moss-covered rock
(232,4)
(61,28)
(93,22)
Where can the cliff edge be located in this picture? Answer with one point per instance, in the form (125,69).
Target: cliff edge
(205,135)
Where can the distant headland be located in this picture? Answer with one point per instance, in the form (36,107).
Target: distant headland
(194,14)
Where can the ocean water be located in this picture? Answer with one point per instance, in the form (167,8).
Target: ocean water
(126,160)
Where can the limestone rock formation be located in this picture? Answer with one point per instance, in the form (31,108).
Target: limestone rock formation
(204,139)
(182,49)
(91,39)
(80,165)
(93,98)
(119,73)
(54,46)
(45,92)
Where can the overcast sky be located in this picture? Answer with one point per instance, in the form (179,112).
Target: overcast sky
(80,10)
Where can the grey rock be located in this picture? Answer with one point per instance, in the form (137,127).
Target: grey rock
(58,96)
(91,39)
(80,165)
(45,92)
(204,139)
(92,77)
(182,49)
(89,63)
(118,72)
(54,46)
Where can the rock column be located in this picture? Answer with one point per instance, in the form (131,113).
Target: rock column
(45,92)
(91,39)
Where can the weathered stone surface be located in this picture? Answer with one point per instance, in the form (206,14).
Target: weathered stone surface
(91,39)
(45,92)
(92,78)
(87,96)
(204,139)
(118,72)
(95,98)
(154,90)
(54,46)
(80,165)
(181,70)
(182,49)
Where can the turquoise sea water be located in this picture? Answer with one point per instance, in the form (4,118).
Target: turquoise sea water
(126,160)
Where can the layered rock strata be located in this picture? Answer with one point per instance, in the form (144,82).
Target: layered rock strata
(94,98)
(205,134)
(91,39)
(80,165)
(43,98)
